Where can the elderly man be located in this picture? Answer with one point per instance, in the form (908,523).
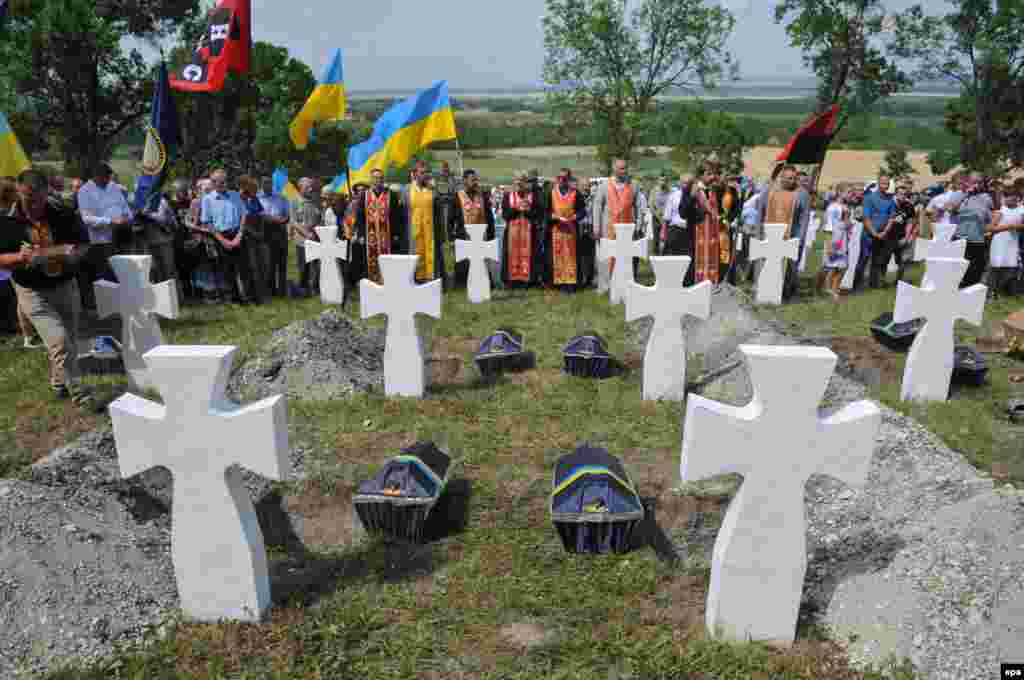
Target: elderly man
(790,205)
(108,218)
(616,201)
(221,216)
(39,243)
(276,215)
(306,215)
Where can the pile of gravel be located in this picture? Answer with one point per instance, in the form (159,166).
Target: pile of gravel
(85,555)
(328,357)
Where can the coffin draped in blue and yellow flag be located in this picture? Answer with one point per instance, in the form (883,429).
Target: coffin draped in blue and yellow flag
(13,160)
(327,102)
(401,132)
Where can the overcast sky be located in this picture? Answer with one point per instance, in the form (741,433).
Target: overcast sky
(407,44)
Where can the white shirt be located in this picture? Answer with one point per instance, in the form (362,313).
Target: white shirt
(99,206)
(671,216)
(945,221)
(833,215)
(1005,248)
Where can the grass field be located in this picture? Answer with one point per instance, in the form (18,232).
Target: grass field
(498,598)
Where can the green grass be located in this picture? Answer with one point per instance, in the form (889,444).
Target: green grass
(499,599)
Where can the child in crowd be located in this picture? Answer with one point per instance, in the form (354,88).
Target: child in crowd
(1004,255)
(837,255)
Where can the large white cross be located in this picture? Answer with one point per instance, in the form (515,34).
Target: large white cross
(329,250)
(216,544)
(776,442)
(668,302)
(939,247)
(813,225)
(477,250)
(852,255)
(623,248)
(929,365)
(138,303)
(405,369)
(774,250)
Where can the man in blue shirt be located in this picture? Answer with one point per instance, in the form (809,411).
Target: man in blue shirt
(276,213)
(875,245)
(221,216)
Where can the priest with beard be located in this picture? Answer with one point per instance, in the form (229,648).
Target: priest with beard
(471,206)
(786,204)
(426,229)
(521,258)
(379,230)
(564,213)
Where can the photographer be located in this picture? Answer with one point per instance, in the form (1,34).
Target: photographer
(974,210)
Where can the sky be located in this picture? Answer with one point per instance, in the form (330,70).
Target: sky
(408,44)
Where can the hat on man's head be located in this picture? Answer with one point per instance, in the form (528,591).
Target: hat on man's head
(102,170)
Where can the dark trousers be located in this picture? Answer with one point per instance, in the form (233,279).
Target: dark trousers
(237,272)
(95,266)
(309,274)
(587,258)
(8,307)
(791,280)
(277,271)
(867,246)
(977,258)
(881,252)
(258,254)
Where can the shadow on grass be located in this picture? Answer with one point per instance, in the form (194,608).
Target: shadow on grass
(649,533)
(310,576)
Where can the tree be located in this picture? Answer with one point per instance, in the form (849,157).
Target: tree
(73,79)
(978,46)
(700,135)
(834,36)
(941,161)
(608,60)
(896,164)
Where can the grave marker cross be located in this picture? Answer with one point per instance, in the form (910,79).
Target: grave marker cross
(137,302)
(776,442)
(774,250)
(405,371)
(328,250)
(622,250)
(477,250)
(930,360)
(216,544)
(668,302)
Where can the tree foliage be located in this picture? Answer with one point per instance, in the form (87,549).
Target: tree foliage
(701,134)
(73,79)
(978,45)
(896,163)
(608,60)
(836,39)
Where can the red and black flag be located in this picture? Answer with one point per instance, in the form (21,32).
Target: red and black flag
(810,143)
(225,45)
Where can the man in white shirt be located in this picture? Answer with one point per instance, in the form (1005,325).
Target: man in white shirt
(943,220)
(108,219)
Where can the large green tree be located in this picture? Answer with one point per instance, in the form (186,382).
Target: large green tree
(699,134)
(977,45)
(73,79)
(607,61)
(837,38)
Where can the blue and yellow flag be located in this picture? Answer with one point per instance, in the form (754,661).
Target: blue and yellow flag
(284,187)
(13,160)
(327,102)
(402,131)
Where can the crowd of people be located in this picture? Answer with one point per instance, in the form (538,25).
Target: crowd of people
(229,241)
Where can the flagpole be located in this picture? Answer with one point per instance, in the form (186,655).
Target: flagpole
(458,155)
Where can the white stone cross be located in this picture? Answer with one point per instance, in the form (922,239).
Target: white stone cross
(852,255)
(216,544)
(776,442)
(940,247)
(137,302)
(774,251)
(623,248)
(813,225)
(329,250)
(940,302)
(405,369)
(668,302)
(603,267)
(477,250)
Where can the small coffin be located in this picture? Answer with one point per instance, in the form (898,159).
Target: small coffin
(896,336)
(397,501)
(502,351)
(586,356)
(969,366)
(594,505)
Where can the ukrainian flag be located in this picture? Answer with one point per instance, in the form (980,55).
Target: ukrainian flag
(327,102)
(402,131)
(13,160)
(284,187)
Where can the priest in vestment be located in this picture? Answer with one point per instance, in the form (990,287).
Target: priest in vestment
(425,227)
(471,206)
(562,266)
(786,204)
(705,222)
(379,230)
(616,201)
(521,260)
